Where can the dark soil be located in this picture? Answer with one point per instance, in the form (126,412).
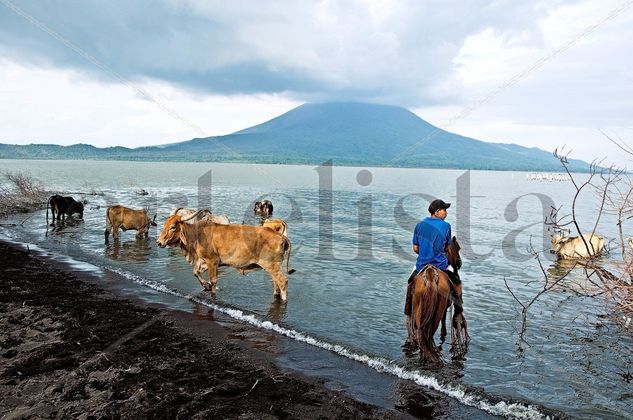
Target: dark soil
(70,349)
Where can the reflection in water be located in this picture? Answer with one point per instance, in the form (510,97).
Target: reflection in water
(64,225)
(422,404)
(449,368)
(138,250)
(572,276)
(202,311)
(277,311)
(560,267)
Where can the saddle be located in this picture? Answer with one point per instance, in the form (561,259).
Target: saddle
(409,296)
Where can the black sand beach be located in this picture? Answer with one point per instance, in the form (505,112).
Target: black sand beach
(70,349)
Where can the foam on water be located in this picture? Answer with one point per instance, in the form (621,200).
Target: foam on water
(458,392)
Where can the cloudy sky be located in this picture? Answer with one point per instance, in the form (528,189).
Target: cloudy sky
(538,73)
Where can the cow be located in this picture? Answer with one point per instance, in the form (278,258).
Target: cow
(64,206)
(278,225)
(263,208)
(127,219)
(574,247)
(202,215)
(207,245)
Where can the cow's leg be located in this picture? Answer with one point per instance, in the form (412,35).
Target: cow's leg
(115,231)
(213,274)
(198,276)
(280,285)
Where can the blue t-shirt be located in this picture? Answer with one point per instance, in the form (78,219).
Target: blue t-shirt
(432,235)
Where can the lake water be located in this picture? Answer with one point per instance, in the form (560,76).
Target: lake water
(351,246)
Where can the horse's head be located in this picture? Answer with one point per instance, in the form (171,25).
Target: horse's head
(452,254)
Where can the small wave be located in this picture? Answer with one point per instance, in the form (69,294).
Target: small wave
(458,392)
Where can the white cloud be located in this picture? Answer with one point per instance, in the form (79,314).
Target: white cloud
(47,105)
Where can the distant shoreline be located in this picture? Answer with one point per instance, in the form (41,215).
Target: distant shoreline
(312,163)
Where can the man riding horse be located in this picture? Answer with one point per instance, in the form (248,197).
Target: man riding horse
(430,238)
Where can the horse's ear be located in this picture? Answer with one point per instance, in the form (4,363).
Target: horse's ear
(456,243)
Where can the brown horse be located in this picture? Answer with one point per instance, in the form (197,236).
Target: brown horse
(430,298)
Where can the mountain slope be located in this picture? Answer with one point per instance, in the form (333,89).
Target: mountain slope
(346,133)
(372,135)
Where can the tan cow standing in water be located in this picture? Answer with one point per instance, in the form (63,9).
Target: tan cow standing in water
(247,248)
(127,219)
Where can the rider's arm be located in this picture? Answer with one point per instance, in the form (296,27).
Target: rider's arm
(416,249)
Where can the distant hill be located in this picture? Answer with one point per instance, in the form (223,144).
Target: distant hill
(353,134)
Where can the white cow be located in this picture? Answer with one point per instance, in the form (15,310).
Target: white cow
(192,216)
(569,247)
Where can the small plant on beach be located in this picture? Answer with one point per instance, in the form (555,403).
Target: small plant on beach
(21,192)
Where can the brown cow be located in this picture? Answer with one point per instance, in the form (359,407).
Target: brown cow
(127,219)
(247,248)
(278,225)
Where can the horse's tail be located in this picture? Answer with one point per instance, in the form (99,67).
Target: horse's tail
(288,247)
(428,301)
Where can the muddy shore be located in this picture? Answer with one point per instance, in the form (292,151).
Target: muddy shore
(70,349)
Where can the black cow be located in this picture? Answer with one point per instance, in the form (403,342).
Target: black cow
(263,208)
(64,206)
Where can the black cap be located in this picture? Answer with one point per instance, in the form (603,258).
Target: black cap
(438,205)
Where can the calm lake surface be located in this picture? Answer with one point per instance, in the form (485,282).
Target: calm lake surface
(348,290)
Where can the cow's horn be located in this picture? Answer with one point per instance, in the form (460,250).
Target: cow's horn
(192,216)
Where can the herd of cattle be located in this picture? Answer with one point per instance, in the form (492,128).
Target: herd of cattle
(206,240)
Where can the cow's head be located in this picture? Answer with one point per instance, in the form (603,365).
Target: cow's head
(170,236)
(558,241)
(263,208)
(77,207)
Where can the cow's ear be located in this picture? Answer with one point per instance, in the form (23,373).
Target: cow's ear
(183,236)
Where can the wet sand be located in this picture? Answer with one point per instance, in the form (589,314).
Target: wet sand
(71,349)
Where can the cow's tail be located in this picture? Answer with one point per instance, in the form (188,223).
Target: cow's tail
(48,203)
(108,226)
(288,247)
(108,222)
